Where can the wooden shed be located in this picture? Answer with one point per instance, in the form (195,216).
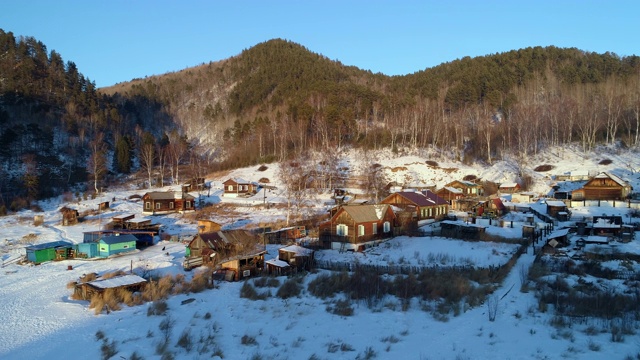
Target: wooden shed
(297,257)
(56,250)
(69,216)
(205,226)
(128,282)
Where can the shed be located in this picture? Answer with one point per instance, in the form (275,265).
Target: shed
(69,216)
(116,244)
(128,282)
(56,250)
(87,250)
(277,267)
(297,256)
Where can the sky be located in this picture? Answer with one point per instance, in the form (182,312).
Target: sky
(117,40)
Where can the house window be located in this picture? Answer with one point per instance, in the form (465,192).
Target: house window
(157,206)
(102,248)
(147,205)
(374,229)
(171,205)
(360,230)
(230,188)
(342,230)
(125,246)
(188,205)
(387,227)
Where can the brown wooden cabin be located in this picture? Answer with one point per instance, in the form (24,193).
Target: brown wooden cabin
(557,209)
(354,226)
(69,216)
(165,202)
(103,206)
(423,206)
(195,184)
(130,282)
(234,187)
(604,186)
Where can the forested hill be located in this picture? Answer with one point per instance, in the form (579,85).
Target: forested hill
(277,100)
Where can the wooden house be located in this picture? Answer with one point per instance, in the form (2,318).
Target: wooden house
(468,188)
(419,186)
(55,250)
(129,282)
(277,267)
(234,187)
(493,207)
(352,227)
(69,216)
(604,186)
(205,226)
(451,195)
(237,251)
(422,206)
(165,202)
(523,197)
(298,257)
(116,244)
(195,184)
(509,188)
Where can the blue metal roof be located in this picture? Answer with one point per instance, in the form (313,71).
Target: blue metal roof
(116,239)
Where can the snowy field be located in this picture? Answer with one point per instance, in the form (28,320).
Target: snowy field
(38,319)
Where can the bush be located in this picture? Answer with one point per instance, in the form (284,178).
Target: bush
(249,292)
(605,162)
(184,341)
(159,307)
(263,168)
(108,349)
(341,307)
(290,288)
(543,168)
(248,340)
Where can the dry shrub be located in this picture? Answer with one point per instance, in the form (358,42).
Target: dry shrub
(432,163)
(157,308)
(97,303)
(125,296)
(157,290)
(71,285)
(113,274)
(470,177)
(605,162)
(200,282)
(111,299)
(399,168)
(88,277)
(264,180)
(543,168)
(263,168)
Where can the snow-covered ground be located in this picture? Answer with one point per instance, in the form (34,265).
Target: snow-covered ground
(39,320)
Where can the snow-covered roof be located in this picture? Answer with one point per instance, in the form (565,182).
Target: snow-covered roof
(509,185)
(558,233)
(119,281)
(49,245)
(277,262)
(116,239)
(298,250)
(453,190)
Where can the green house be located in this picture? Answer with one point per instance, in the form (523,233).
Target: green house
(116,244)
(47,252)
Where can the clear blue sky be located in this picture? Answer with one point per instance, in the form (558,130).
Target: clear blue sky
(116,40)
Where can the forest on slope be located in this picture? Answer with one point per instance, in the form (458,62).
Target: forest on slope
(278,100)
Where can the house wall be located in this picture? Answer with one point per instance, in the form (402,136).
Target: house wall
(112,249)
(90,249)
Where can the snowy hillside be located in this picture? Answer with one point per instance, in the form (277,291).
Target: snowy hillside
(39,320)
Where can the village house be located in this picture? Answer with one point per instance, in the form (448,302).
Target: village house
(234,187)
(604,186)
(127,282)
(468,188)
(421,205)
(290,258)
(165,202)
(116,244)
(353,227)
(523,197)
(238,252)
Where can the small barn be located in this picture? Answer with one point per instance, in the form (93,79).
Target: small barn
(56,250)
(116,244)
(130,282)
(555,208)
(277,267)
(297,257)
(69,216)
(461,230)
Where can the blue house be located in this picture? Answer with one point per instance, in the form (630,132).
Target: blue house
(116,244)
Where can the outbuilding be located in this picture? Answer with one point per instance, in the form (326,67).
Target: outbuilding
(56,250)
(116,244)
